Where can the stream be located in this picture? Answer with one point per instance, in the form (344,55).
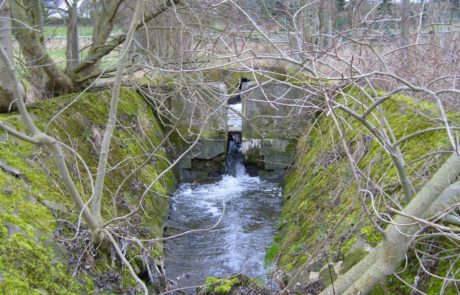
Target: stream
(240,212)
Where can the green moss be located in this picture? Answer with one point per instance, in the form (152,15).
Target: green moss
(392,285)
(371,235)
(271,253)
(22,200)
(28,267)
(347,245)
(220,286)
(320,195)
(430,284)
(445,269)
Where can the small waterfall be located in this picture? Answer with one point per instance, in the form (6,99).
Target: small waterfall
(234,163)
(240,209)
(246,208)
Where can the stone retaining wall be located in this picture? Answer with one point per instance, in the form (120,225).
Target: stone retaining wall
(275,113)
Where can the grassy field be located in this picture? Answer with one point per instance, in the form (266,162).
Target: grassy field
(61,31)
(56,45)
(59,56)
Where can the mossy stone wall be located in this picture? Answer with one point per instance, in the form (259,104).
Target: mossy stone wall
(199,113)
(35,208)
(323,229)
(275,115)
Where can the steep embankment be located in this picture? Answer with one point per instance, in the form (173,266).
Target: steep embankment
(40,252)
(323,219)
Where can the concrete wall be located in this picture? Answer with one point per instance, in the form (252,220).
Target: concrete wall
(201,109)
(275,114)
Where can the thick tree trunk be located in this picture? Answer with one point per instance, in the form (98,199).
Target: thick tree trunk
(31,42)
(437,195)
(325,23)
(28,28)
(6,91)
(104,15)
(72,50)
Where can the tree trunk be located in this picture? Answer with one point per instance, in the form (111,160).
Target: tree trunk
(325,23)
(437,195)
(96,198)
(104,15)
(32,46)
(28,28)
(405,22)
(72,50)
(6,91)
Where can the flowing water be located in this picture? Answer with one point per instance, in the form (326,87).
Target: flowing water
(245,210)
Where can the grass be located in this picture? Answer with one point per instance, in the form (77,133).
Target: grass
(58,54)
(56,46)
(61,31)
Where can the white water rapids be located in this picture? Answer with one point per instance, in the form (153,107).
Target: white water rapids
(237,244)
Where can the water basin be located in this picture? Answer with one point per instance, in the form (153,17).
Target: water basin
(247,208)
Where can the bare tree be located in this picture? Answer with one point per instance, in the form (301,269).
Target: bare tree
(92,217)
(353,71)
(27,15)
(73,40)
(375,71)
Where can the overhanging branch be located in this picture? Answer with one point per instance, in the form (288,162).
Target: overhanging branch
(117,41)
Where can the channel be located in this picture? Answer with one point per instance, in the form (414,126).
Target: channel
(239,213)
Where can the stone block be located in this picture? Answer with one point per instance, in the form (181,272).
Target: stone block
(208,149)
(268,154)
(203,107)
(185,163)
(276,110)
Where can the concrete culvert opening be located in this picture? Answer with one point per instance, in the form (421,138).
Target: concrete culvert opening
(234,119)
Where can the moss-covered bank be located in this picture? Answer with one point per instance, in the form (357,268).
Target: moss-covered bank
(41,251)
(323,230)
